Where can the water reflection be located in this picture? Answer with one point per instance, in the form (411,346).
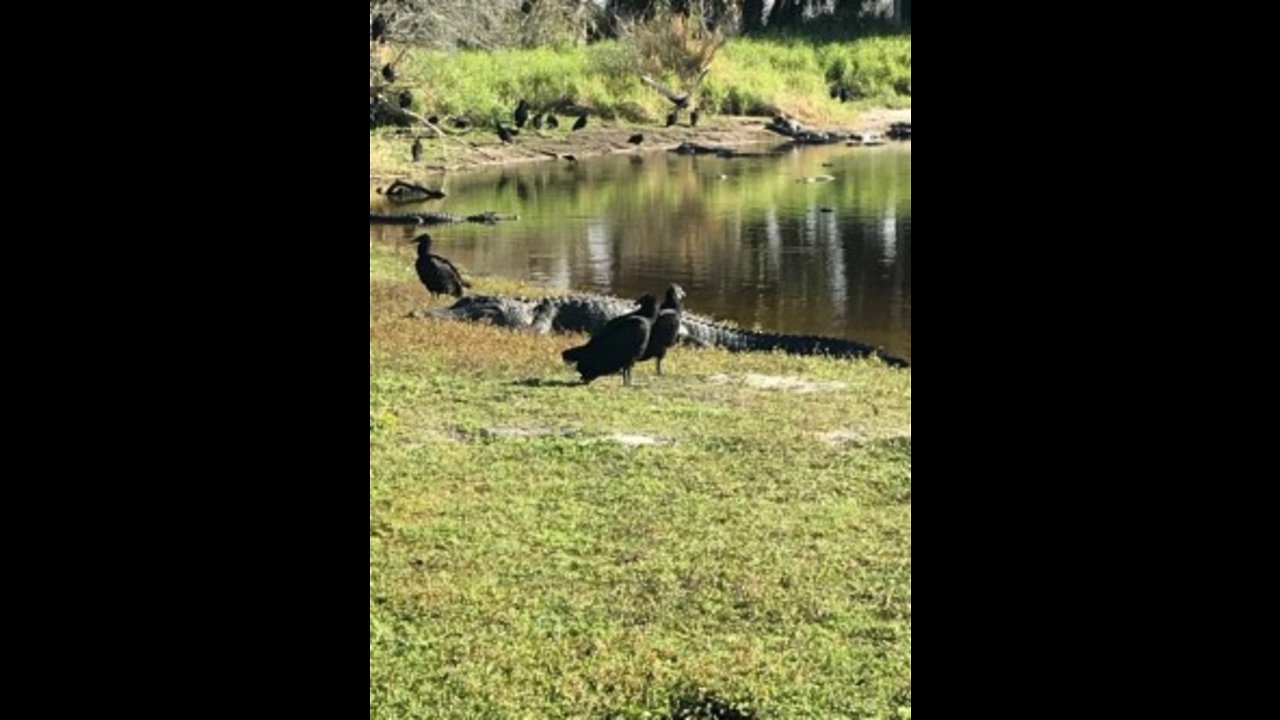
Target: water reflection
(890,235)
(746,240)
(600,254)
(837,272)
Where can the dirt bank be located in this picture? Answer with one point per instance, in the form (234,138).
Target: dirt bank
(389,152)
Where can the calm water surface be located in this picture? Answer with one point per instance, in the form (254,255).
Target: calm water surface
(746,238)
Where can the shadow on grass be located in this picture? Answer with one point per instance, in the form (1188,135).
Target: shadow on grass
(544,382)
(697,704)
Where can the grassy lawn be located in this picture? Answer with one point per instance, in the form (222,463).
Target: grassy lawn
(738,529)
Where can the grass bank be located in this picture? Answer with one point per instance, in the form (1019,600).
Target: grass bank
(748,77)
(737,529)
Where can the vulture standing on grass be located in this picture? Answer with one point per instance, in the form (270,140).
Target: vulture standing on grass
(437,273)
(662,336)
(617,346)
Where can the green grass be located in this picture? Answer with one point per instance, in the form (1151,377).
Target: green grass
(752,76)
(524,563)
(749,76)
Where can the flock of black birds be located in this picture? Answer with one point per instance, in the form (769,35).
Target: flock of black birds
(521,116)
(646,333)
(544,119)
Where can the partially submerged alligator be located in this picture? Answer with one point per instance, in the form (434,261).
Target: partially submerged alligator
(692,148)
(589,313)
(403,192)
(437,218)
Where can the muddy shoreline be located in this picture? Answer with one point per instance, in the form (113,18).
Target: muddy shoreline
(480,149)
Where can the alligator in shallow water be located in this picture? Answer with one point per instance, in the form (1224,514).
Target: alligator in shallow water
(403,192)
(437,218)
(589,313)
(692,148)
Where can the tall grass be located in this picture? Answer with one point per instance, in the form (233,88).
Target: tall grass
(750,76)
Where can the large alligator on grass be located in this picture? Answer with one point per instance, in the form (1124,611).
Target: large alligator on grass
(437,218)
(589,313)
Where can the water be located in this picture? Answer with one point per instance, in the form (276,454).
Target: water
(746,240)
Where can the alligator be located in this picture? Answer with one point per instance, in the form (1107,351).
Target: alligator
(692,148)
(437,218)
(589,313)
(804,136)
(403,192)
(801,135)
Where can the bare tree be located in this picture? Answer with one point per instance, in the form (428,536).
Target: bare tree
(676,44)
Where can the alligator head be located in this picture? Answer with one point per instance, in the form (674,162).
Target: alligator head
(500,311)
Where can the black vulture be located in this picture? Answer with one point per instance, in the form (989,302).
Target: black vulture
(693,118)
(671,119)
(389,73)
(666,328)
(434,119)
(417,149)
(437,273)
(581,123)
(537,121)
(378,31)
(522,113)
(406,98)
(505,134)
(552,122)
(461,123)
(680,101)
(636,139)
(617,346)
